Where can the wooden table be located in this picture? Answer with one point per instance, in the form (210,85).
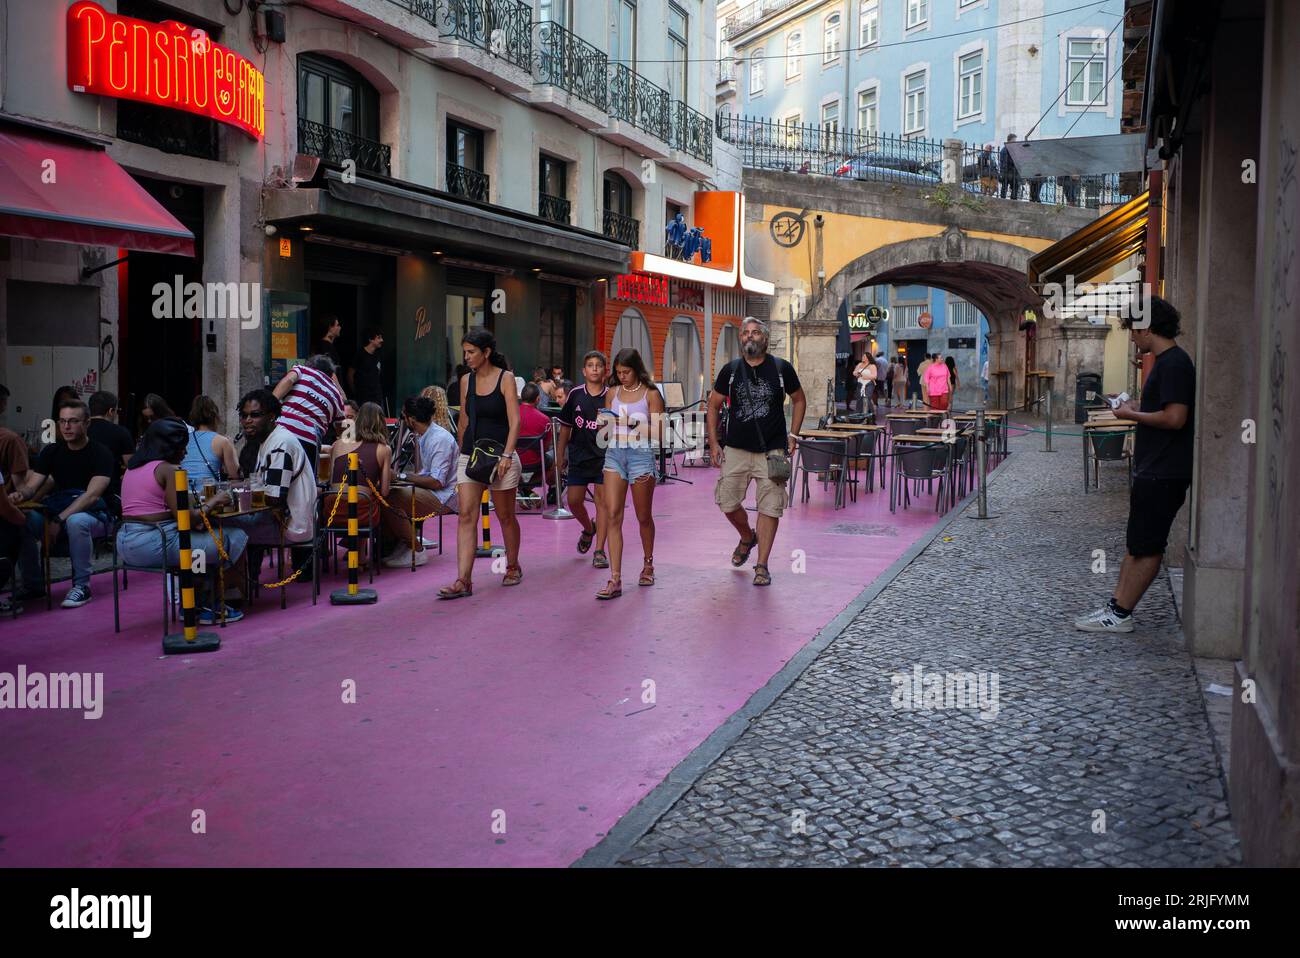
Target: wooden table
(218,519)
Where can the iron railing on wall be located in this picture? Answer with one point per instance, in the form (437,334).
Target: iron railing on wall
(504,28)
(692,132)
(622,229)
(469,183)
(565,60)
(635,100)
(748,15)
(553,208)
(424,9)
(984,171)
(336,147)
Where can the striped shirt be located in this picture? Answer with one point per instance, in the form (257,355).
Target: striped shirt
(313,403)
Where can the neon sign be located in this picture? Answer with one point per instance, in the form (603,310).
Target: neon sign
(166,64)
(642,288)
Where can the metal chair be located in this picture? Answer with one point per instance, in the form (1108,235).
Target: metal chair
(924,463)
(528,477)
(825,456)
(1108,446)
(170,574)
(339,528)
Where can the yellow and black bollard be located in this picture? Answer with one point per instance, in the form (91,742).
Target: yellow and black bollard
(486,551)
(191,640)
(353,595)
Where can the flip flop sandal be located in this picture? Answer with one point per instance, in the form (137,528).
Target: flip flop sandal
(741,554)
(613,589)
(647,573)
(514,575)
(762,576)
(600,560)
(457,590)
(585,540)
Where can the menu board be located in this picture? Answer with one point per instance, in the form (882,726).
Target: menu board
(288,332)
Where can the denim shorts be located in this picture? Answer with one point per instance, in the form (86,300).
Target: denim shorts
(630,463)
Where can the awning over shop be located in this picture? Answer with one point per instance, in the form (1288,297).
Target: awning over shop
(861,337)
(422,221)
(1095,248)
(53,188)
(1080,155)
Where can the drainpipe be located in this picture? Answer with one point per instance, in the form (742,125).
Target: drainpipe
(819,278)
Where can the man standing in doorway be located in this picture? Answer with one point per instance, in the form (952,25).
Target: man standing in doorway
(754,387)
(328,345)
(367,377)
(1162,464)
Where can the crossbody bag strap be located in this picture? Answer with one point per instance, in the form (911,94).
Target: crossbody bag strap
(470,389)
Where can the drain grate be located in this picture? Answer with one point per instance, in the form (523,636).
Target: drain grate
(863,529)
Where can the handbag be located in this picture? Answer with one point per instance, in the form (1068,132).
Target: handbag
(485,453)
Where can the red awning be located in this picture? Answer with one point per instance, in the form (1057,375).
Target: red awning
(52,188)
(859,337)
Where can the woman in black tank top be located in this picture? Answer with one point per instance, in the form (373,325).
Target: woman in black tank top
(489,389)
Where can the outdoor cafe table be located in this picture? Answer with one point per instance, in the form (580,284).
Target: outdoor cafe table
(218,518)
(1104,426)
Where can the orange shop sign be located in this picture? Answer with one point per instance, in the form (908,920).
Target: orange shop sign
(166,64)
(642,288)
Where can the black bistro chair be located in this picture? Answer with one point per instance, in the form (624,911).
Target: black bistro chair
(828,457)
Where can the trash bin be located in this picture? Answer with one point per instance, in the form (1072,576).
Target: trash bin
(1087,395)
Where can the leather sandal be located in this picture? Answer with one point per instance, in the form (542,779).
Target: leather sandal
(613,589)
(585,540)
(741,554)
(647,573)
(600,560)
(761,575)
(514,575)
(456,590)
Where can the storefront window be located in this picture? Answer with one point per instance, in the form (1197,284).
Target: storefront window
(728,346)
(463,314)
(682,358)
(632,333)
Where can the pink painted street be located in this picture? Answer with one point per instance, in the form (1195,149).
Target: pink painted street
(527,700)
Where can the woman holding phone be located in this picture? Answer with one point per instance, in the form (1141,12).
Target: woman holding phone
(633,409)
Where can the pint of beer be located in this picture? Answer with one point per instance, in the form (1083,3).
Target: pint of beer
(323,466)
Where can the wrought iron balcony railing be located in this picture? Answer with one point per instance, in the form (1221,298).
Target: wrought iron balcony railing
(471,184)
(747,16)
(692,132)
(504,28)
(553,208)
(424,9)
(622,229)
(635,100)
(336,146)
(565,60)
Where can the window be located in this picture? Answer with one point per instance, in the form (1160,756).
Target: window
(728,345)
(556,11)
(618,195)
(794,55)
(869,20)
(869,111)
(831,116)
(962,313)
(334,95)
(1086,70)
(792,130)
(831,39)
(756,72)
(970,85)
(677,52)
(918,12)
(632,332)
(622,34)
(552,176)
(464,146)
(683,359)
(914,102)
(905,317)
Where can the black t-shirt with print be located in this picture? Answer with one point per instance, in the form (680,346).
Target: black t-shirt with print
(756,415)
(1166,453)
(581,413)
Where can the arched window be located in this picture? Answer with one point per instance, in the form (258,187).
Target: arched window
(831,38)
(794,55)
(683,360)
(633,333)
(338,114)
(756,72)
(728,346)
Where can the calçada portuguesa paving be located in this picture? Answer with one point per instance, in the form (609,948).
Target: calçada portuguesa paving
(524,707)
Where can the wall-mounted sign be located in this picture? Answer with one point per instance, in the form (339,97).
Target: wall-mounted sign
(868,318)
(642,288)
(961,342)
(166,64)
(925,321)
(423,324)
(286,248)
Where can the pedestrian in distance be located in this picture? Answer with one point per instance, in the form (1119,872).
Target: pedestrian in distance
(865,374)
(633,415)
(938,384)
(900,379)
(488,425)
(926,363)
(580,459)
(1008,176)
(1162,463)
(756,447)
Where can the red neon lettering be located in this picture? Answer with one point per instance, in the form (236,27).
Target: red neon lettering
(86,14)
(115,61)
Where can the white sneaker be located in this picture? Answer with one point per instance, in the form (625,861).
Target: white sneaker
(421,557)
(1104,620)
(400,557)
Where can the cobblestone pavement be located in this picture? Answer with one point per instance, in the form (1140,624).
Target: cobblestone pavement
(1086,726)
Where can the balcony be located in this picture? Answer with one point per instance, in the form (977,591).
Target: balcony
(335,147)
(692,142)
(553,208)
(749,15)
(571,76)
(410,24)
(469,183)
(488,39)
(622,229)
(640,113)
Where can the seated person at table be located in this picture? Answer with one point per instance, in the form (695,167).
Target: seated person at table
(13,452)
(374,463)
(12,523)
(432,488)
(533,423)
(441,414)
(82,471)
(149,508)
(290,477)
(209,456)
(103,429)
